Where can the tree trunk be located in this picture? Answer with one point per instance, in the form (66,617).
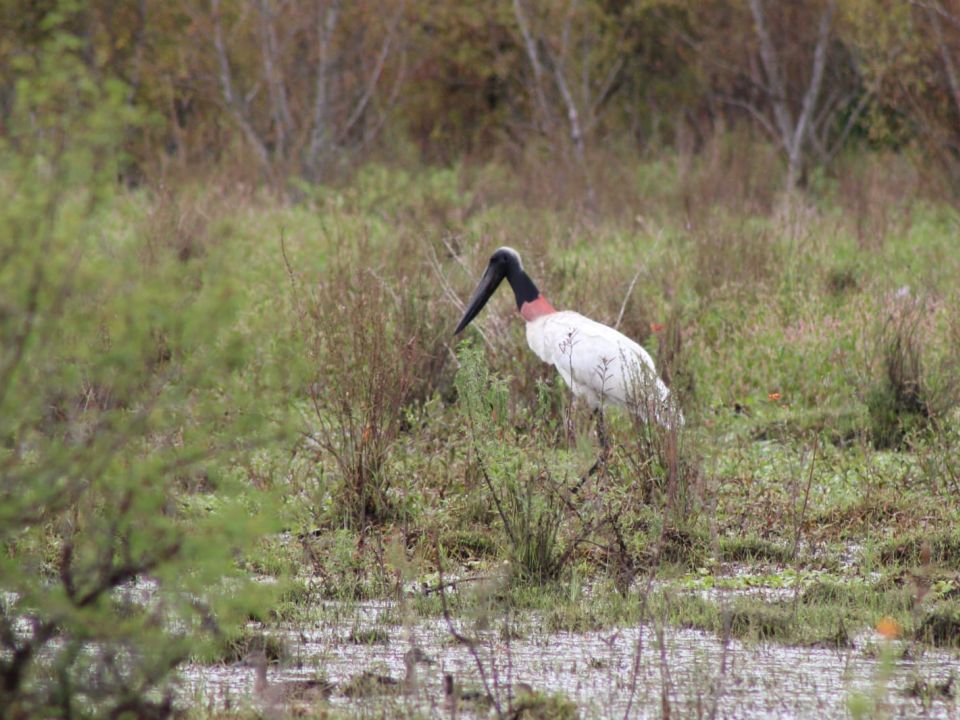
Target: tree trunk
(229,96)
(534,57)
(319,131)
(280,108)
(794,133)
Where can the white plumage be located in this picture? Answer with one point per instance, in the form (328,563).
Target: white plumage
(601,365)
(598,363)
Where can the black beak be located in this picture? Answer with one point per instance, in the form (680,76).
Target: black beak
(488,284)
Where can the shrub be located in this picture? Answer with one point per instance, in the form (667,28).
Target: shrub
(907,391)
(117,380)
(372,356)
(528,502)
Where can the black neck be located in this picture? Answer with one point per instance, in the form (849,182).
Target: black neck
(523,288)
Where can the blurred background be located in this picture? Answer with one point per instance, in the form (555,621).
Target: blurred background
(277,91)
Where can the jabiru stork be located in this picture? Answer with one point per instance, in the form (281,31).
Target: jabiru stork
(599,364)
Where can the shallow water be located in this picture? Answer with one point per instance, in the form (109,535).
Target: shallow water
(595,670)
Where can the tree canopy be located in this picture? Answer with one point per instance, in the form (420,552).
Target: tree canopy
(283,88)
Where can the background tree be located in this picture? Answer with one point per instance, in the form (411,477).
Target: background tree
(911,52)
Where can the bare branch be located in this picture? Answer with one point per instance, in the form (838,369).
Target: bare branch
(374,78)
(534,57)
(626,299)
(852,119)
(949,66)
(715,61)
(318,128)
(226,87)
(450,293)
(606,89)
(469,642)
(398,83)
(793,136)
(832,101)
(278,93)
(565,31)
(816,81)
(456,256)
(934,6)
(755,112)
(798,519)
(573,116)
(771,67)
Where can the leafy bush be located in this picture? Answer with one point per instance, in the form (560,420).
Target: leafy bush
(527,501)
(121,383)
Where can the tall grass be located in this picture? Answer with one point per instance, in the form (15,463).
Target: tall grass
(913,384)
(185,327)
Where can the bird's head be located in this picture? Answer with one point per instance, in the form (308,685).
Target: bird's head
(502,264)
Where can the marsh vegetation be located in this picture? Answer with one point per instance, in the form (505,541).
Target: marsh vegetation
(246,470)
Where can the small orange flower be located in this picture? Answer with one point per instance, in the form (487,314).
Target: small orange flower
(774,396)
(889,628)
(657,327)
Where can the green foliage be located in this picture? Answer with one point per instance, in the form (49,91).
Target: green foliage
(122,419)
(535,519)
(443,81)
(150,337)
(481,396)
(540,706)
(527,501)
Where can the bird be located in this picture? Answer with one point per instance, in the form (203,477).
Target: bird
(371,683)
(598,363)
(305,692)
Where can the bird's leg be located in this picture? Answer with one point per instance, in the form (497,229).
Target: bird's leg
(601,462)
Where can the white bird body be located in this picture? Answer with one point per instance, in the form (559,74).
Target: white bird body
(597,363)
(600,364)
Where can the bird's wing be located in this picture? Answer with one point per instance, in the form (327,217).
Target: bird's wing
(600,363)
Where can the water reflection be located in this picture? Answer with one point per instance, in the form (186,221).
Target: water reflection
(597,670)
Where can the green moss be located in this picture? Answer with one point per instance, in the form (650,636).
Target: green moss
(940,625)
(940,547)
(750,549)
(249,640)
(368,636)
(544,706)
(468,544)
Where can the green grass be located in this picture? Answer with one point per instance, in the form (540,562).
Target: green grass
(778,352)
(413,458)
